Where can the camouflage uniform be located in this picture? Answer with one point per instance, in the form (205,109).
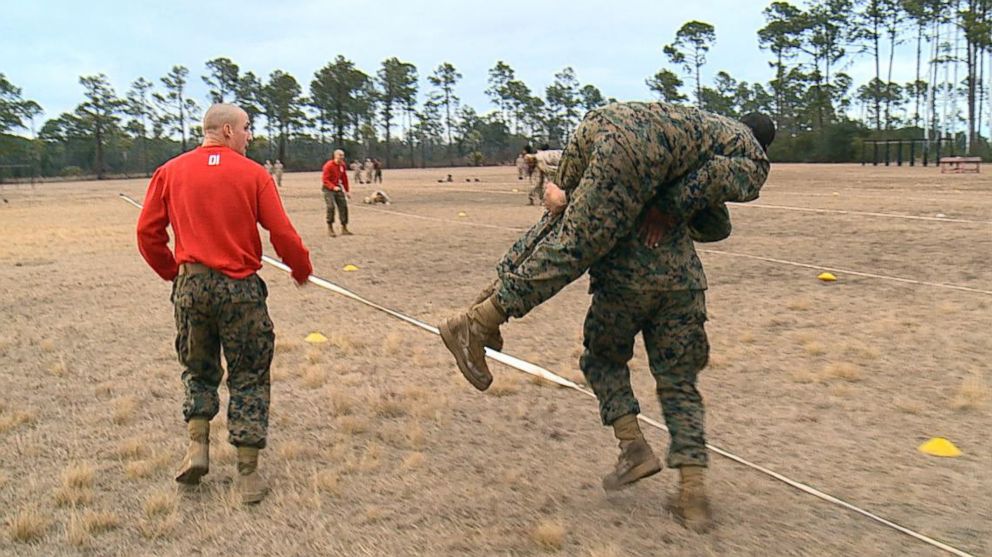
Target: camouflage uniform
(546,163)
(212,312)
(621,159)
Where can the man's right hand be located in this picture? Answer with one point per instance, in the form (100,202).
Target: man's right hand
(656,226)
(554,198)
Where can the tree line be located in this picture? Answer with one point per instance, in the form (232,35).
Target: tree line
(822,115)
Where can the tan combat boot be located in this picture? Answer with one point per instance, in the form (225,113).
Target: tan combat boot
(251,485)
(197,461)
(345,231)
(330,230)
(636,460)
(494,339)
(465,335)
(692,508)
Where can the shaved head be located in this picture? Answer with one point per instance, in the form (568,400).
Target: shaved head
(220,114)
(227,125)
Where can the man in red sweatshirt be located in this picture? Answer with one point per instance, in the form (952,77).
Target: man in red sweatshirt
(336,191)
(214,198)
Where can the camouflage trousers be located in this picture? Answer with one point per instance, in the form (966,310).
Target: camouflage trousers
(606,195)
(536,194)
(214,312)
(672,325)
(338,198)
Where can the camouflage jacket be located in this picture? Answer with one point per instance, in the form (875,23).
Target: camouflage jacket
(697,162)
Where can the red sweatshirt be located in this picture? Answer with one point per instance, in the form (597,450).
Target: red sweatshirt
(215,198)
(333,172)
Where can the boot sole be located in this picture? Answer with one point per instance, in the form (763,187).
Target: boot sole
(192,475)
(480,383)
(634,475)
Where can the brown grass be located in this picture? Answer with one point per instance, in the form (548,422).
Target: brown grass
(342,402)
(314,355)
(97,522)
(608,550)
(344,344)
(415,435)
(78,475)
(138,469)
(814,348)
(844,371)
(160,528)
(353,425)
(59,368)
(160,503)
(907,406)
(76,533)
(9,421)
(27,525)
(124,409)
(390,405)
(549,534)
(132,449)
(294,450)
(972,394)
(285,346)
(413,460)
(314,377)
(842,390)
(66,496)
(393,343)
(327,481)
(104,389)
(504,385)
(805,377)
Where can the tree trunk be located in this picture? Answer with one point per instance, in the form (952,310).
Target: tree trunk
(389,119)
(878,75)
(916,88)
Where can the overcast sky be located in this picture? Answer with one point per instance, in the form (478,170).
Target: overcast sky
(45,45)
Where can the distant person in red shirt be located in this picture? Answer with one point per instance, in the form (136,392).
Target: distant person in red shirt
(214,198)
(336,192)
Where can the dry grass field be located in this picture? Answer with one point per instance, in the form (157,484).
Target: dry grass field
(379,447)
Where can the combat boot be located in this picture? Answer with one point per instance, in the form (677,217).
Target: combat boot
(330,230)
(494,339)
(251,485)
(636,460)
(196,464)
(464,335)
(692,507)
(345,231)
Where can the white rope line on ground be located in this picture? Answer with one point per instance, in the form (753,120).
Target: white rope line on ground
(849,272)
(865,213)
(536,370)
(731,254)
(781,207)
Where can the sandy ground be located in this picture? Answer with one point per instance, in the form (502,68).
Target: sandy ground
(379,447)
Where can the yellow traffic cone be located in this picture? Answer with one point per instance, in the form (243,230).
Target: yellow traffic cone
(938,446)
(315,338)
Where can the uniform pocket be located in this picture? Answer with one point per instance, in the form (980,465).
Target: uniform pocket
(247,290)
(183,294)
